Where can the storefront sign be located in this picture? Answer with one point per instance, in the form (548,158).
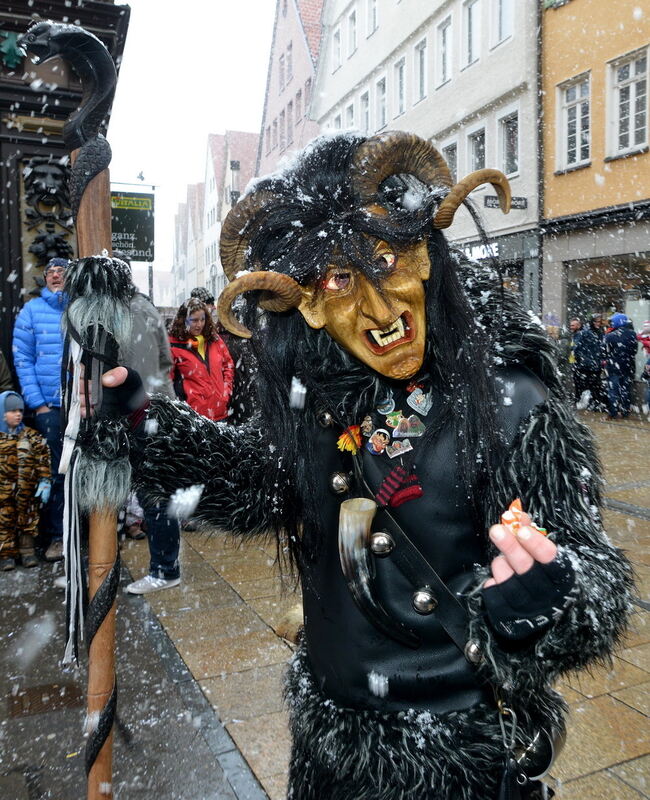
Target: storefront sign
(479,251)
(492,201)
(132,216)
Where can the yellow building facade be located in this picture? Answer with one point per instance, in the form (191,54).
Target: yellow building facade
(595,180)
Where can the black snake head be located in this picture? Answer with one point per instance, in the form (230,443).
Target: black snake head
(43,41)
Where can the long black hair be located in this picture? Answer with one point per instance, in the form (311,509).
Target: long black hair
(316,220)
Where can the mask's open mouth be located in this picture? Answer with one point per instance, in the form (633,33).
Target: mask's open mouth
(381,340)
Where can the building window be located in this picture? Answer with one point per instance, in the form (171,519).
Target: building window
(400,88)
(268,139)
(373,20)
(630,102)
(298,106)
(283,132)
(576,123)
(450,154)
(420,69)
(281,73)
(275,133)
(503,20)
(509,143)
(337,122)
(444,51)
(364,112)
(289,61)
(380,97)
(307,94)
(290,122)
(336,50)
(349,116)
(472,11)
(476,150)
(352,33)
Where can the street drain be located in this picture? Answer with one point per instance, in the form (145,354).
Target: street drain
(44,698)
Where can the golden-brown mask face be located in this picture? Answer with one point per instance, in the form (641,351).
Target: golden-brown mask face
(385,331)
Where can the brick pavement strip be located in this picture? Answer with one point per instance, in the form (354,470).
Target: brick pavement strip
(607,756)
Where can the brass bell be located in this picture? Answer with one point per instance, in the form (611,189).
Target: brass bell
(325,419)
(339,482)
(424,601)
(473,652)
(381,543)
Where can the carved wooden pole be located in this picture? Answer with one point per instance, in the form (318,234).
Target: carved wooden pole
(90,201)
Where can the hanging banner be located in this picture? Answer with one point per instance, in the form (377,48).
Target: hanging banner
(132,216)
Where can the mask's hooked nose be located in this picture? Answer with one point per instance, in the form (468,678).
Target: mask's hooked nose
(373,306)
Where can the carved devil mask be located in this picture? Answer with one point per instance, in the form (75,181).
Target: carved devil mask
(377,315)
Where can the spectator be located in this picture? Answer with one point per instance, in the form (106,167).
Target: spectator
(575,329)
(588,352)
(620,351)
(644,337)
(203,370)
(24,483)
(645,376)
(150,356)
(38,351)
(205,296)
(6,384)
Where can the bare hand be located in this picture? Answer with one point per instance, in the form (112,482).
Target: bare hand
(518,552)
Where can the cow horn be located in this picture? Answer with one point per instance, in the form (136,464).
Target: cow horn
(280,294)
(445,214)
(396,153)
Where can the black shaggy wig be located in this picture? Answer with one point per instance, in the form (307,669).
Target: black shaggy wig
(315,220)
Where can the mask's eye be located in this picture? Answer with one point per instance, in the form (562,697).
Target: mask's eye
(337,281)
(385,261)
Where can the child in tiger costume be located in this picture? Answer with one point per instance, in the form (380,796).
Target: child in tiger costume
(24,483)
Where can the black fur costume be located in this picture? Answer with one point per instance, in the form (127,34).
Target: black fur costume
(271,480)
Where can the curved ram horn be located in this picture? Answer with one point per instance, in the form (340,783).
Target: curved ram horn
(234,239)
(281,294)
(396,153)
(445,214)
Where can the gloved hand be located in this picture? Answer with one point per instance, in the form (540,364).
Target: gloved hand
(526,604)
(43,490)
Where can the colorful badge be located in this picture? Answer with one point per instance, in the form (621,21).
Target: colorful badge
(416,426)
(392,419)
(367,425)
(419,401)
(378,442)
(387,407)
(402,428)
(399,448)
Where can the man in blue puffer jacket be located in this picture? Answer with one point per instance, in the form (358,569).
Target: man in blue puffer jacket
(38,351)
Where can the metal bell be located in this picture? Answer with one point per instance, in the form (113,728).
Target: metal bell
(473,652)
(325,419)
(424,601)
(339,482)
(381,543)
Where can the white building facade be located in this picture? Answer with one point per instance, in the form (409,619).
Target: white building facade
(461,73)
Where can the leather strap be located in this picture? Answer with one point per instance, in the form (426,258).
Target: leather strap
(449,612)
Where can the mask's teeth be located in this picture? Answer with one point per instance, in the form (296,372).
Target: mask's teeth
(391,333)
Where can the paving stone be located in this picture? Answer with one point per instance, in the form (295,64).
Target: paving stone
(636,773)
(264,742)
(636,696)
(600,786)
(603,680)
(639,655)
(198,627)
(242,695)
(235,653)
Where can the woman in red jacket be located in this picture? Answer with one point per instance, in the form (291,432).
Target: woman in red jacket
(203,370)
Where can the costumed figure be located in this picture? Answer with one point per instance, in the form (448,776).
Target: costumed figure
(430,402)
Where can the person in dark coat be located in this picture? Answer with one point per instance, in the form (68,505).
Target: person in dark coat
(620,355)
(588,353)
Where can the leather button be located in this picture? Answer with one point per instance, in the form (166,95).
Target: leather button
(424,601)
(325,419)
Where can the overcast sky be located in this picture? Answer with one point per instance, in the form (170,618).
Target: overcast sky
(199,70)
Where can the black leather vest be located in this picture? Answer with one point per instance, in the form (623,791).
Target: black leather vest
(343,646)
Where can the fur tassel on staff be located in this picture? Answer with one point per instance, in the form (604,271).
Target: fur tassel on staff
(95,455)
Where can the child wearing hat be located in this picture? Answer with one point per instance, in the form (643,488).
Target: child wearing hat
(24,483)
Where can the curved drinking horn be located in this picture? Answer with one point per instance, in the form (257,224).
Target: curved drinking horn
(355,519)
(396,153)
(281,294)
(445,214)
